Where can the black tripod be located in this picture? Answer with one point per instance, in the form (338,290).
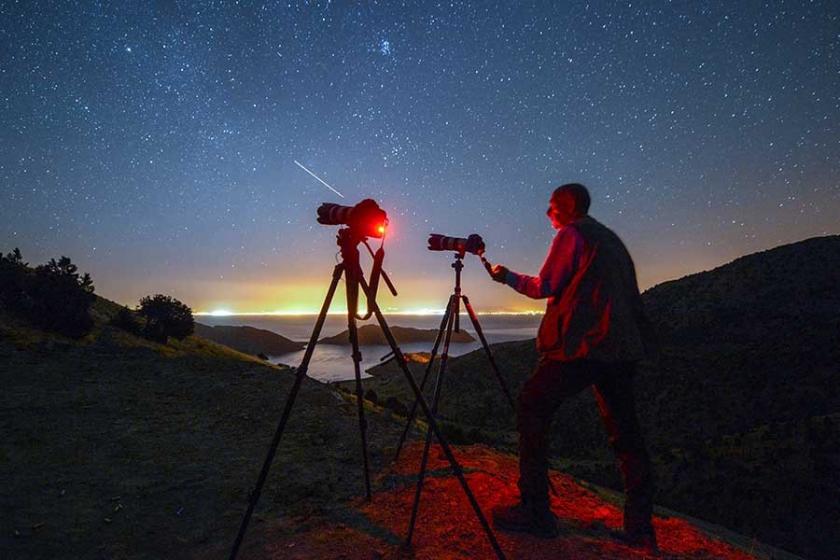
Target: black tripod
(450,322)
(348,242)
(452,312)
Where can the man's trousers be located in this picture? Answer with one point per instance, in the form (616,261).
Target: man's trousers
(551,383)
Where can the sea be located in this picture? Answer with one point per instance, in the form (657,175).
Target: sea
(332,362)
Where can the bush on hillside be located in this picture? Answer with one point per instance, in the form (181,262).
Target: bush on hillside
(166,317)
(13,272)
(61,298)
(127,320)
(53,296)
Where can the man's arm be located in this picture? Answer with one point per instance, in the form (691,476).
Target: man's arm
(558,268)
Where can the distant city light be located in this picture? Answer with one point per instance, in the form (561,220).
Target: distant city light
(220,313)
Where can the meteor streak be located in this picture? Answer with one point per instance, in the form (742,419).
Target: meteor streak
(299,164)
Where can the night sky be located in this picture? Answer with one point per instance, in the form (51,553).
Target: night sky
(154,142)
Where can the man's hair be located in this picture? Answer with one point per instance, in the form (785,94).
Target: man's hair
(577,193)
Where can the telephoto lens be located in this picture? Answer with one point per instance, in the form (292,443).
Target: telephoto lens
(331,214)
(473,244)
(365,218)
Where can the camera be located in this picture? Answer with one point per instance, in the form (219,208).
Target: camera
(366,218)
(473,244)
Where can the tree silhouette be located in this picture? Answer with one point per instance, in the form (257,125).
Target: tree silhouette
(53,296)
(165,317)
(61,298)
(13,272)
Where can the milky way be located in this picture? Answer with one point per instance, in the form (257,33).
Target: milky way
(154,143)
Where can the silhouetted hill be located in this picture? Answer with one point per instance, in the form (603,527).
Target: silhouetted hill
(742,414)
(249,340)
(372,335)
(766,294)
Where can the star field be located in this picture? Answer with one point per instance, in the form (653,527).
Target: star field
(154,143)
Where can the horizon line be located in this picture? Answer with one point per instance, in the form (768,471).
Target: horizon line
(432,312)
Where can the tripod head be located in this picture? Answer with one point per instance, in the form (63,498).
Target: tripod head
(348,240)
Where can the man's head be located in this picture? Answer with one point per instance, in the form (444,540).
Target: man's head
(568,203)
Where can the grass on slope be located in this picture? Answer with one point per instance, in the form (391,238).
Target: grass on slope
(114,446)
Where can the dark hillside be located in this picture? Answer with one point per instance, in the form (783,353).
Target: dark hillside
(118,447)
(790,291)
(742,413)
(113,446)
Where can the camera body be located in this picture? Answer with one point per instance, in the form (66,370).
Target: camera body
(365,219)
(473,244)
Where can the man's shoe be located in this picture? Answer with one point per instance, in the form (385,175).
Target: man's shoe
(524,519)
(643,540)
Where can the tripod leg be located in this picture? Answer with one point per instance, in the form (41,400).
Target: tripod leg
(425,460)
(457,311)
(287,410)
(456,468)
(413,411)
(490,358)
(494,367)
(357,358)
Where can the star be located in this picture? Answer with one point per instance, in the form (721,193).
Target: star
(385,47)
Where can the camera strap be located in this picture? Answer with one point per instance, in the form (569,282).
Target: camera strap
(375,275)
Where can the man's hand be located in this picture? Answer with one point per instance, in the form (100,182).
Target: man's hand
(497,272)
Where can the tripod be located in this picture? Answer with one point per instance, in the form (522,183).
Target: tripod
(452,311)
(450,322)
(348,241)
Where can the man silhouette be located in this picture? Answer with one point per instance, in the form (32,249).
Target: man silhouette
(593,332)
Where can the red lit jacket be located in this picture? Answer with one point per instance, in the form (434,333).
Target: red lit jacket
(594,309)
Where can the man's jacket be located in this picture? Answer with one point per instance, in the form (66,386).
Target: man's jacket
(594,309)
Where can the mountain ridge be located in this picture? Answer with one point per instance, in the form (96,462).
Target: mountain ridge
(373,335)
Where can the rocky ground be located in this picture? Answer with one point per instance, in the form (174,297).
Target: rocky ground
(447,527)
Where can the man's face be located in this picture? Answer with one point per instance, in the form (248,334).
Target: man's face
(560,211)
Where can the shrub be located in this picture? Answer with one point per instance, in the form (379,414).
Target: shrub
(165,317)
(126,320)
(13,278)
(61,299)
(53,296)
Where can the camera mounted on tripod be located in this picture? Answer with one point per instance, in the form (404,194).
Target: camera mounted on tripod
(473,244)
(365,219)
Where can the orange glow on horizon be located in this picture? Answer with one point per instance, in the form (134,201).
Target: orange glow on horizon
(342,311)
